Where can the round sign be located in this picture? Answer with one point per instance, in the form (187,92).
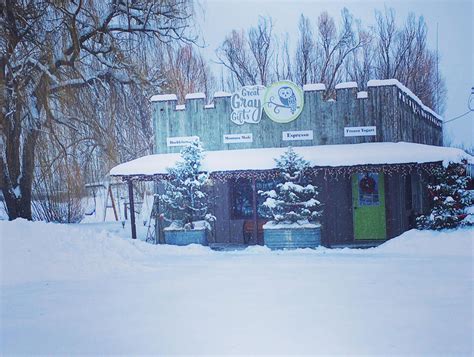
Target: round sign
(283,101)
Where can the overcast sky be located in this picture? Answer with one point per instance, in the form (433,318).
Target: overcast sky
(216,18)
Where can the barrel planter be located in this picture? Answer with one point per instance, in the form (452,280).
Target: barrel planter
(185,237)
(284,237)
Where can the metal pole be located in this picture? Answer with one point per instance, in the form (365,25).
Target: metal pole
(132,209)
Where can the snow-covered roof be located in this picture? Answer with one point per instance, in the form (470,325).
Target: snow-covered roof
(195,96)
(362,95)
(314,87)
(346,85)
(163,97)
(221,94)
(395,82)
(322,156)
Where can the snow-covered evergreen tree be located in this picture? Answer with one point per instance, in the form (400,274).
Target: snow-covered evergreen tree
(292,200)
(449,196)
(185,200)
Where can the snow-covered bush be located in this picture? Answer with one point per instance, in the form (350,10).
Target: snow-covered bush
(185,200)
(449,198)
(292,200)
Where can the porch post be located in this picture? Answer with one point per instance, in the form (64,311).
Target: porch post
(254,206)
(132,209)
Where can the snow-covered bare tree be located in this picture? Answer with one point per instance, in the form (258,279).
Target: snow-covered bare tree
(51,47)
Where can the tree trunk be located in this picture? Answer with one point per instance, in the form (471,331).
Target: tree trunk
(18,170)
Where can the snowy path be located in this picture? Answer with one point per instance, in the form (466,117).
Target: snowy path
(66,291)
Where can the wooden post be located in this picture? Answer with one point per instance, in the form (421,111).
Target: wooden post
(254,206)
(132,209)
(113,203)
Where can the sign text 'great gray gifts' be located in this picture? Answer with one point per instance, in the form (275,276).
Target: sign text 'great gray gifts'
(247,105)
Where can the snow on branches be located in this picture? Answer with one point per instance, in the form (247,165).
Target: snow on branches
(292,200)
(449,198)
(185,200)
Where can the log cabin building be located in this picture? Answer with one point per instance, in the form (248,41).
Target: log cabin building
(369,152)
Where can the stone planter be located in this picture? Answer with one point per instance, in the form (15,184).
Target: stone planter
(182,237)
(308,236)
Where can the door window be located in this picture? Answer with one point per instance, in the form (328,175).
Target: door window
(368,189)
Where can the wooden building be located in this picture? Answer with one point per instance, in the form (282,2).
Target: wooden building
(369,151)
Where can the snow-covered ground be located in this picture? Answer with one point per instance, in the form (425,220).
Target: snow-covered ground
(86,289)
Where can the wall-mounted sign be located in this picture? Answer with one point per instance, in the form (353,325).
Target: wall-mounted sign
(360,131)
(297,135)
(283,101)
(181,140)
(238,138)
(247,105)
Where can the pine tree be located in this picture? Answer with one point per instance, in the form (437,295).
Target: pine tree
(449,196)
(292,200)
(185,200)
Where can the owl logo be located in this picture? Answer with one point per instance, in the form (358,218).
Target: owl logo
(288,98)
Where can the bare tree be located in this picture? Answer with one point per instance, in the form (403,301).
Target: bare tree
(386,32)
(334,53)
(49,47)
(305,59)
(359,66)
(260,41)
(402,53)
(283,66)
(235,55)
(248,56)
(334,46)
(186,71)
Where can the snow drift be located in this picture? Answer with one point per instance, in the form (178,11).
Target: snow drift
(86,289)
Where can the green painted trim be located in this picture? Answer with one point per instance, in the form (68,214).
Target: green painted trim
(369,221)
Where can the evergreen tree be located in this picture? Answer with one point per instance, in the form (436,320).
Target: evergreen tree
(185,200)
(292,200)
(449,196)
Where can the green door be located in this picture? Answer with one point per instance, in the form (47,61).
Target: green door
(368,201)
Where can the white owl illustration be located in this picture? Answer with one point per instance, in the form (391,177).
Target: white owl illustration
(288,98)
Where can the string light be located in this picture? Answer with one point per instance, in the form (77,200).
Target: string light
(326,172)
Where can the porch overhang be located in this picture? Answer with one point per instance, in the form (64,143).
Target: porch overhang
(336,160)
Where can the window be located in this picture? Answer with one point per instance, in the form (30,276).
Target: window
(368,189)
(242,197)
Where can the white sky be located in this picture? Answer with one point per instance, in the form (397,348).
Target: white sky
(455,20)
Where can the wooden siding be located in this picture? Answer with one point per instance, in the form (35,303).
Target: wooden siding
(337,219)
(405,198)
(396,116)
